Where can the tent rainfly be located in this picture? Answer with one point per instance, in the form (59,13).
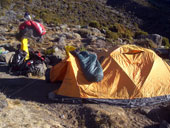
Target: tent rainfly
(133,76)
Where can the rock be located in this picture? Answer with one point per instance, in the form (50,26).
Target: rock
(77,26)
(100,44)
(163,52)
(57,28)
(96,31)
(63,27)
(10,16)
(101,38)
(62,39)
(84,33)
(51,95)
(3,29)
(59,53)
(156,38)
(8,56)
(120,41)
(77,36)
(69,35)
(144,110)
(3,101)
(2,50)
(9,47)
(2,38)
(103,31)
(86,27)
(54,37)
(42,68)
(92,37)
(164,124)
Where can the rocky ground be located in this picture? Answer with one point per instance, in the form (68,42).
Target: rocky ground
(23,100)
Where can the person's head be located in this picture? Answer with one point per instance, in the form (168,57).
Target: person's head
(27,16)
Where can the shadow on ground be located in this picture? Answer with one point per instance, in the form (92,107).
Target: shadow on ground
(27,89)
(4,69)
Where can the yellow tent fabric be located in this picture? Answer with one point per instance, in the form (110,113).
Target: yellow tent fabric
(129,72)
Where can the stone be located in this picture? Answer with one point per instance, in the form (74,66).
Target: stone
(92,37)
(2,38)
(63,27)
(156,38)
(77,36)
(96,31)
(8,56)
(3,101)
(62,39)
(51,95)
(120,41)
(77,26)
(84,33)
(164,124)
(3,29)
(57,28)
(101,38)
(69,35)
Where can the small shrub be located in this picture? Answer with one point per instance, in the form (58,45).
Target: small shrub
(147,43)
(165,42)
(140,33)
(113,28)
(49,17)
(5,3)
(83,49)
(94,24)
(30,1)
(2,13)
(111,35)
(19,16)
(136,26)
(121,30)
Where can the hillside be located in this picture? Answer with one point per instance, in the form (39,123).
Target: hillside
(118,18)
(154,14)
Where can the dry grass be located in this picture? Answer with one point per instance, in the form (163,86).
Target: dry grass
(19,115)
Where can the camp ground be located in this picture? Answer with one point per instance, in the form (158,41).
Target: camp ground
(133,76)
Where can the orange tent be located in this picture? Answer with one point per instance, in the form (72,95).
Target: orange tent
(130,72)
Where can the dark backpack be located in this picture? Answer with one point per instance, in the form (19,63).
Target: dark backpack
(18,65)
(16,62)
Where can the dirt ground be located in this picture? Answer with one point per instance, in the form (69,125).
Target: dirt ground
(29,107)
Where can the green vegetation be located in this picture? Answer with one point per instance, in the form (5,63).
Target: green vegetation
(79,12)
(111,35)
(5,4)
(140,33)
(94,24)
(83,49)
(2,13)
(30,1)
(165,42)
(119,31)
(147,43)
(69,12)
